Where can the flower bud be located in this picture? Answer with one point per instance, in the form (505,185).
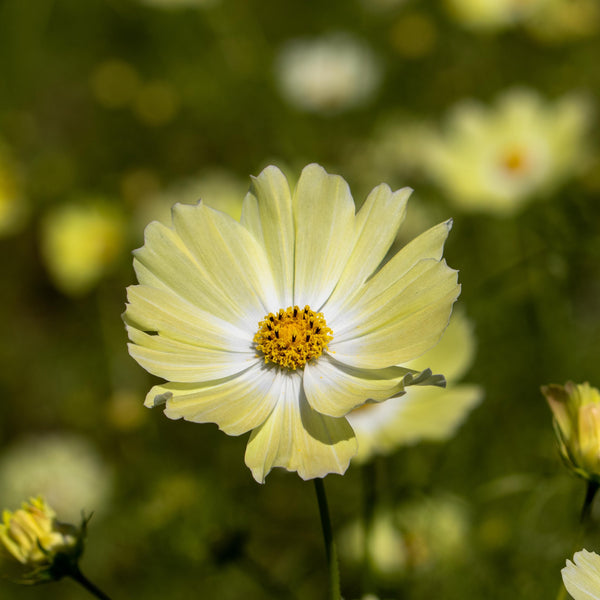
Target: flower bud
(576,411)
(35,547)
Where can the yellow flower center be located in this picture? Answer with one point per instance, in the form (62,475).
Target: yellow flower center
(293,336)
(515,161)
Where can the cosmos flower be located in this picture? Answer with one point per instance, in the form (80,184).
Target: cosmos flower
(494,159)
(582,576)
(284,322)
(34,545)
(327,74)
(576,412)
(80,243)
(424,413)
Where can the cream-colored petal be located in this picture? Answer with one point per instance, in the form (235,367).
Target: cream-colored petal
(165,262)
(582,578)
(400,324)
(177,361)
(377,224)
(231,255)
(298,438)
(236,404)
(334,389)
(274,204)
(164,313)
(325,234)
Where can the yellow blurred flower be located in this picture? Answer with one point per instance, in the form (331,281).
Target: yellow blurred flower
(576,412)
(327,74)
(13,206)
(582,577)
(31,541)
(80,243)
(423,413)
(493,159)
(282,323)
(494,14)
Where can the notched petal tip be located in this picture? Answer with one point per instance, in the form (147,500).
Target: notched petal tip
(425,377)
(153,400)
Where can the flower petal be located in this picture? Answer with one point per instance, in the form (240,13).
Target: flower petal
(325,234)
(377,224)
(168,315)
(397,320)
(273,208)
(225,249)
(582,579)
(334,389)
(298,438)
(236,404)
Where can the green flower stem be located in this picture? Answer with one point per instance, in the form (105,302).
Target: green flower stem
(330,548)
(369,489)
(586,510)
(82,580)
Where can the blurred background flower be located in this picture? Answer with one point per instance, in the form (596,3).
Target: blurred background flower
(422,414)
(328,74)
(494,159)
(65,469)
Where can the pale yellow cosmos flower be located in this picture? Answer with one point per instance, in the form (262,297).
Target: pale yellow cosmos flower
(424,413)
(495,158)
(30,540)
(582,576)
(284,322)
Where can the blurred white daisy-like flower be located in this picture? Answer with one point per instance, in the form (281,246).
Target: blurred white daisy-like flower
(423,414)
(327,74)
(80,243)
(495,158)
(65,469)
(582,576)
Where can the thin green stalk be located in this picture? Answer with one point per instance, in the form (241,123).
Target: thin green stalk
(330,548)
(82,580)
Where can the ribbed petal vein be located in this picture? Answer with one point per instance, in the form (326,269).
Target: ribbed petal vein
(300,439)
(236,404)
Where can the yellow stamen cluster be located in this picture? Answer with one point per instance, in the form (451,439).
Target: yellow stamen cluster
(515,161)
(292,337)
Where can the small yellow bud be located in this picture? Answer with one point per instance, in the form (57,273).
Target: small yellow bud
(576,411)
(34,546)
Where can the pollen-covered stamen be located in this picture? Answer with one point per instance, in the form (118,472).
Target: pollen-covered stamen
(292,337)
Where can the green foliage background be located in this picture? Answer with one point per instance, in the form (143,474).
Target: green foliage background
(186,519)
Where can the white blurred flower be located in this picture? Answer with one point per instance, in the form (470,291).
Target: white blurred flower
(494,14)
(80,243)
(493,159)
(327,74)
(65,469)
(422,413)
(582,577)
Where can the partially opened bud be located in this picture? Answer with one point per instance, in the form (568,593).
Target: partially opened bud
(576,411)
(35,547)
